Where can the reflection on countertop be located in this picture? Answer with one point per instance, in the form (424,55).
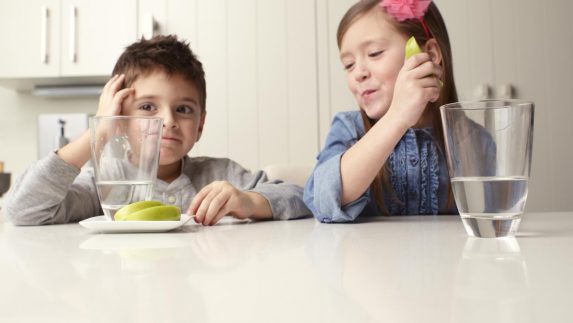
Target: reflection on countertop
(492,283)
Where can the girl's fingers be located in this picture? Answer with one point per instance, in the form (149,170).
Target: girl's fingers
(432,93)
(416,61)
(426,69)
(430,81)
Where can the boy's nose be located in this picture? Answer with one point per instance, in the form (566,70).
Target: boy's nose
(168,119)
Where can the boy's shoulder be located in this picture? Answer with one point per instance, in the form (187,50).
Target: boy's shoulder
(206,161)
(207,164)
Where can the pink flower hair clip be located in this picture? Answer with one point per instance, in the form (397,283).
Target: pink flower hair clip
(408,9)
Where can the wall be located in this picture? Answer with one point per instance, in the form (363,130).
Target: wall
(18,120)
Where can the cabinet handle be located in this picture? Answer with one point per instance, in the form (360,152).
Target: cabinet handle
(44,35)
(72,40)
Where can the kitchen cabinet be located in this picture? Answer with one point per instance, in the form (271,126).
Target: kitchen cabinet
(64,38)
(30,38)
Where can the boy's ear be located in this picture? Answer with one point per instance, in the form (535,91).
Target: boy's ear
(201,124)
(432,48)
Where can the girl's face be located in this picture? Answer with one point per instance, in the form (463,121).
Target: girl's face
(372,53)
(174,99)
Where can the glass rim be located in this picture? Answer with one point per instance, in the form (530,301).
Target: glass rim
(477,104)
(125,117)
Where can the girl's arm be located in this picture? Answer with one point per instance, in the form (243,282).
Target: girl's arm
(416,85)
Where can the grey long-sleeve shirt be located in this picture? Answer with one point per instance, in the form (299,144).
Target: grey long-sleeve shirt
(53,191)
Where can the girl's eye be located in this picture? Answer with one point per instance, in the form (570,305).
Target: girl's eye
(348,66)
(147,107)
(375,54)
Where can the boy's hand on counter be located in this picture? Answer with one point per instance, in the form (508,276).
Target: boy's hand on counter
(220,198)
(112,96)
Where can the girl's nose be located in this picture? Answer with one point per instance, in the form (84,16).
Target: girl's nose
(361,72)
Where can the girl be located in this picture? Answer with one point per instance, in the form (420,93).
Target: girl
(387,158)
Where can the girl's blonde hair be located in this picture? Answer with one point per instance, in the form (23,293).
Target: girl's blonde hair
(448,93)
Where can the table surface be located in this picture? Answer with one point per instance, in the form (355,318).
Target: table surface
(400,269)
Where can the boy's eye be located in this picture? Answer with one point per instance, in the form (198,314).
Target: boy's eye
(348,66)
(375,54)
(147,107)
(185,109)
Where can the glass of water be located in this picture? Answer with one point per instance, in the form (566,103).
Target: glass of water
(125,157)
(488,148)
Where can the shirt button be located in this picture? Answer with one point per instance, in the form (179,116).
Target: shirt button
(171,199)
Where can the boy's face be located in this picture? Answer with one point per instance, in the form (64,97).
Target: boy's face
(174,99)
(372,52)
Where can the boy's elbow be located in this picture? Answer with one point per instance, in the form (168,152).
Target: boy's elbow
(19,218)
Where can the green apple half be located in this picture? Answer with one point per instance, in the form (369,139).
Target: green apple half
(412,47)
(148,211)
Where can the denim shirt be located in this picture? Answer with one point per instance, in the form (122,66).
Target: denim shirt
(418,175)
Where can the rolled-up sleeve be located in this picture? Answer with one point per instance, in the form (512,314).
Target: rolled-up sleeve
(323,190)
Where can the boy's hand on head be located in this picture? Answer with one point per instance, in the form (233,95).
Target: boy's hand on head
(220,198)
(417,84)
(112,96)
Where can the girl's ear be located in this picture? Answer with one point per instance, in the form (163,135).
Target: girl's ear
(432,48)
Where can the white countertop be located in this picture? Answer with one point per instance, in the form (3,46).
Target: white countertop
(401,269)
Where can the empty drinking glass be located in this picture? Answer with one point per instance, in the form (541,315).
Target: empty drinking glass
(488,148)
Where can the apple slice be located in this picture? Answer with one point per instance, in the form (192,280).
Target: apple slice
(148,211)
(412,47)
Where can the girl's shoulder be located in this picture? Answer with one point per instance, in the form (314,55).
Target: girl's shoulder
(350,121)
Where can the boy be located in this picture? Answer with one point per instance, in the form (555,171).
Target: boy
(159,77)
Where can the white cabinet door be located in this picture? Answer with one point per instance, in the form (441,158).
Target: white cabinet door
(94,33)
(30,38)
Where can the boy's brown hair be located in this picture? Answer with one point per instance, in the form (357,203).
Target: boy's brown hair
(165,53)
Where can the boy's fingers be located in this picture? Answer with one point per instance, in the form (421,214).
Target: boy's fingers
(204,207)
(217,205)
(117,83)
(220,215)
(109,82)
(198,199)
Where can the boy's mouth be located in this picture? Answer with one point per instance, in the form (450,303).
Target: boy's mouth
(170,139)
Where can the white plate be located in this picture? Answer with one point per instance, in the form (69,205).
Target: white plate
(102,224)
